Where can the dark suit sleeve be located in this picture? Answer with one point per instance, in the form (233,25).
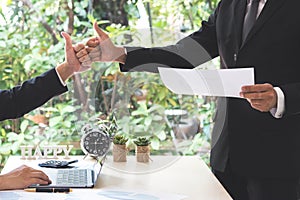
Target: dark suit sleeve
(31,94)
(189,52)
(292,98)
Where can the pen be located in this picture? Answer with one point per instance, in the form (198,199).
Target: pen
(53,190)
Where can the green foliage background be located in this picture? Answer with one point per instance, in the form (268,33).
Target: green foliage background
(30,44)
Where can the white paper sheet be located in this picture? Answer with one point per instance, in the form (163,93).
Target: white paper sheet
(219,82)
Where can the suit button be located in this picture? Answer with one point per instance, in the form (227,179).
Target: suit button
(235,57)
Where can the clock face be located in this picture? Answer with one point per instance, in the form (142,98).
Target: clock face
(95,143)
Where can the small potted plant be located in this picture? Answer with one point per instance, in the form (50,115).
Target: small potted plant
(142,150)
(119,148)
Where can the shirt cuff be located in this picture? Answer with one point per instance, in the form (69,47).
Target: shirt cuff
(125,50)
(278,112)
(61,81)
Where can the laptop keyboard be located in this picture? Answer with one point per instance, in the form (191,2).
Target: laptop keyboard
(74,177)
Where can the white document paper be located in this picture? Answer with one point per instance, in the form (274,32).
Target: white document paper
(219,82)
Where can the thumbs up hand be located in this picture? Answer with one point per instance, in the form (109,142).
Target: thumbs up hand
(101,49)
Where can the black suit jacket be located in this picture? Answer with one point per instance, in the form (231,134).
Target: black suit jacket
(31,94)
(256,143)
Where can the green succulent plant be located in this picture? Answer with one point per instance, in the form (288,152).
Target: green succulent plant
(142,141)
(120,139)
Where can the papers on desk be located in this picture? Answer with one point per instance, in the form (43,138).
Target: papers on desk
(222,82)
(82,194)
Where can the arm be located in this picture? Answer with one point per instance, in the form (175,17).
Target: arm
(33,93)
(189,52)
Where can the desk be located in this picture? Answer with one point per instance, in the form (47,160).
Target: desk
(186,175)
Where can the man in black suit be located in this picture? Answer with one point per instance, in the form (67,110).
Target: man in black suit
(256,141)
(31,94)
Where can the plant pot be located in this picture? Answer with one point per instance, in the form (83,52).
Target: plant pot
(119,153)
(142,153)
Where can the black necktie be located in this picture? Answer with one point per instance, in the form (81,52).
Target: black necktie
(250,18)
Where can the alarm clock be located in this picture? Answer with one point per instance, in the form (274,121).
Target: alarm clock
(95,142)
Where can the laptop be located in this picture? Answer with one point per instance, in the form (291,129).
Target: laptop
(81,176)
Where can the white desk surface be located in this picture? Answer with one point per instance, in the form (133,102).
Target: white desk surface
(187,175)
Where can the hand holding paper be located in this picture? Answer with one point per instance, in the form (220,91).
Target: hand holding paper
(262,97)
